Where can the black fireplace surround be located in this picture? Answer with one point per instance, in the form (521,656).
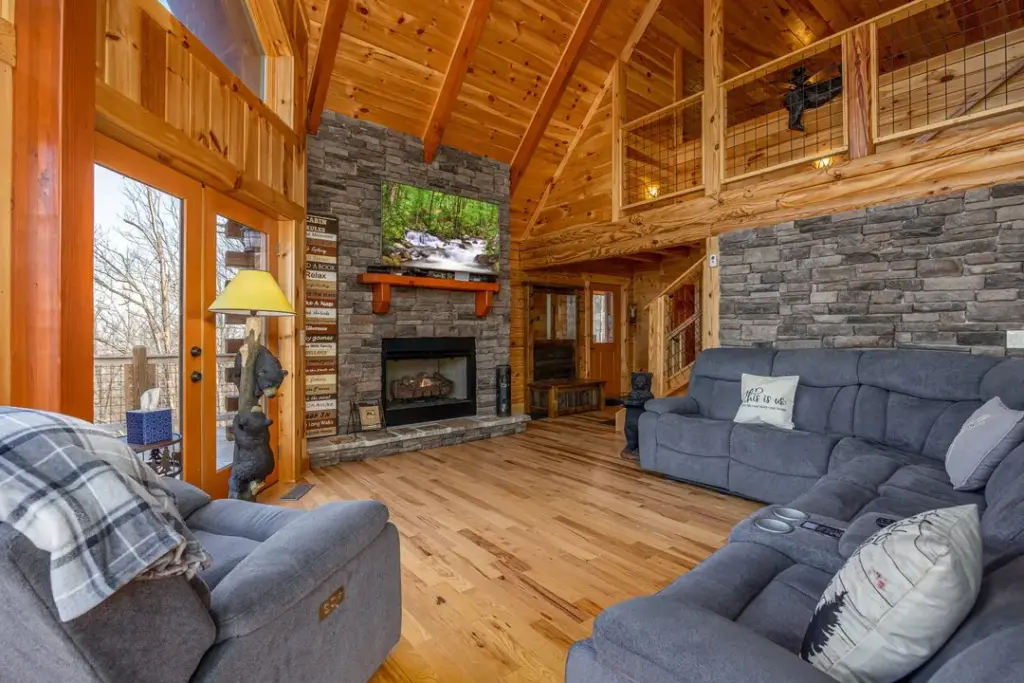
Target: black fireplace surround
(410,365)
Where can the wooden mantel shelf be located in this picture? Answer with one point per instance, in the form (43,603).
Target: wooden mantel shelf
(383,282)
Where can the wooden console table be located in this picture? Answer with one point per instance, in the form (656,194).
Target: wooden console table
(566,396)
(383,282)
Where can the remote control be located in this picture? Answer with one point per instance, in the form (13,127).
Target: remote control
(883,522)
(823,530)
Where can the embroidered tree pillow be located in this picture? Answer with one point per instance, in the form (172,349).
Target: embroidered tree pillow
(767,400)
(898,598)
(984,441)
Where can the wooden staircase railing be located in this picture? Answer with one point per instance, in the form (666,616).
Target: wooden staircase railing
(675,335)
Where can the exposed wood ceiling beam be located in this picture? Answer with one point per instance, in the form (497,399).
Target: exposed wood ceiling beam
(473,27)
(970,159)
(326,53)
(585,26)
(627,53)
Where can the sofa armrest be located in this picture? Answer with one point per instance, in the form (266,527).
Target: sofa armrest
(698,646)
(862,528)
(683,405)
(292,563)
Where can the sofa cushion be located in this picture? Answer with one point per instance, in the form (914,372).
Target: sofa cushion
(898,598)
(748,583)
(828,388)
(987,646)
(695,435)
(227,552)
(1002,522)
(1006,381)
(715,379)
(917,400)
(865,477)
(850,449)
(776,465)
(932,375)
(231,529)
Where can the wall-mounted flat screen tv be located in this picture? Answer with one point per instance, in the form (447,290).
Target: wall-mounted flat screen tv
(438,231)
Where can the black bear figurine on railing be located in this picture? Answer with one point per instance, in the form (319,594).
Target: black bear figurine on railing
(806,95)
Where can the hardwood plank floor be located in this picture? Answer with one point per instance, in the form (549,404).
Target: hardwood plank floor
(511,546)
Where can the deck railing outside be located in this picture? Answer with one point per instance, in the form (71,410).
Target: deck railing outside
(116,389)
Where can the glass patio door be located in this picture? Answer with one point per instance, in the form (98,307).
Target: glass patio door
(146,251)
(236,238)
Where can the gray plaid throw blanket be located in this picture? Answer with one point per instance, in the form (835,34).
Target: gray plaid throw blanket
(83,496)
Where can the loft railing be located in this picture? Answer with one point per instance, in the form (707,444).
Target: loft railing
(675,332)
(969,65)
(663,155)
(770,123)
(910,72)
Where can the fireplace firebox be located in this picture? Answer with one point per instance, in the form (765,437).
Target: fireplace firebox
(424,379)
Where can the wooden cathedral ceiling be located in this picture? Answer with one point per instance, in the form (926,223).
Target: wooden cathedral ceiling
(393,56)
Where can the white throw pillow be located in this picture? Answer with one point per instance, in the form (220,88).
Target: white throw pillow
(983,442)
(898,598)
(767,400)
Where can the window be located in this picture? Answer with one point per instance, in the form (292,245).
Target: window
(226,28)
(604,318)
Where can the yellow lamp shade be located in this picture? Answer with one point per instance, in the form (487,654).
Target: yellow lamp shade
(253,292)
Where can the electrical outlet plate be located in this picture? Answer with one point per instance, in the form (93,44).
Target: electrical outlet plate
(713,260)
(1015,339)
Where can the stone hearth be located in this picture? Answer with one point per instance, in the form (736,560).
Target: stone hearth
(332,450)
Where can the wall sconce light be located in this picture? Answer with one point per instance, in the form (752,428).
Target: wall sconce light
(652,191)
(823,162)
(631,314)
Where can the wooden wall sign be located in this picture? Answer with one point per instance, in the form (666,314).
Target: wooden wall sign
(321,326)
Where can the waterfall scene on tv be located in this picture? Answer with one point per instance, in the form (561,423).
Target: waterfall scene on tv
(433,230)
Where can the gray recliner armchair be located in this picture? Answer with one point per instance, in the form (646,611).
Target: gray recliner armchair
(293,596)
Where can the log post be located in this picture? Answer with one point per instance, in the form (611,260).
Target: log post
(618,140)
(713,109)
(140,376)
(858,67)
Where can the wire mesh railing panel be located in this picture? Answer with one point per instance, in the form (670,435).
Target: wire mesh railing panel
(788,112)
(663,153)
(943,63)
(113,385)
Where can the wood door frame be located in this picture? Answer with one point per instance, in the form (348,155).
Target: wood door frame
(127,162)
(215,482)
(620,325)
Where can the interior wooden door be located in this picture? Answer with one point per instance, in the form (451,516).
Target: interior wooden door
(605,344)
(235,238)
(147,293)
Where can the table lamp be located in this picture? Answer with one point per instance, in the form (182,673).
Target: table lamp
(254,294)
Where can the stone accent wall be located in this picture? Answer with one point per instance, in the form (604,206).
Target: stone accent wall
(935,273)
(347,161)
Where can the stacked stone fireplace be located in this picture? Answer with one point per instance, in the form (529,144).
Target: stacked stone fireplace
(425,331)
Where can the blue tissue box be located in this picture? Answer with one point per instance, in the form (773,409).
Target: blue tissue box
(149,426)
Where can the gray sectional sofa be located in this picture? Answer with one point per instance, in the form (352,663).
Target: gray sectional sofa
(871,432)
(263,616)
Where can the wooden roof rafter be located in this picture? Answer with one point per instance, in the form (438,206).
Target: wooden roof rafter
(326,54)
(570,57)
(441,114)
(650,11)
